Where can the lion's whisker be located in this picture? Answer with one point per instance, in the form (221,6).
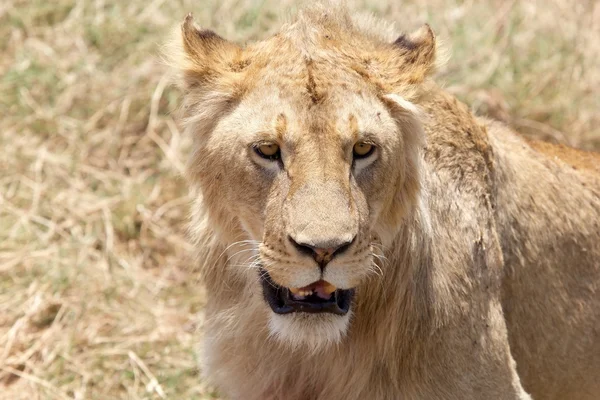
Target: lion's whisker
(239,252)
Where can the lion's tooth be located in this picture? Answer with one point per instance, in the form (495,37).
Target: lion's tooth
(300,294)
(294,290)
(328,288)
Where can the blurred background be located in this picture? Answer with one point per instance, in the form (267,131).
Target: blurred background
(98,296)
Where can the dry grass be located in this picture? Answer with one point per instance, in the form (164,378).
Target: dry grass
(97,297)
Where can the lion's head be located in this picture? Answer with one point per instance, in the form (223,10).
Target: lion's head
(306,146)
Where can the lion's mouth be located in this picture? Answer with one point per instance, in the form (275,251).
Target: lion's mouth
(318,297)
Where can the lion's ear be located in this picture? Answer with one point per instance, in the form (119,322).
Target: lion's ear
(202,57)
(417,53)
(210,70)
(207,52)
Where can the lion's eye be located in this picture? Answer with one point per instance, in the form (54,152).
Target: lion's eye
(270,151)
(363,150)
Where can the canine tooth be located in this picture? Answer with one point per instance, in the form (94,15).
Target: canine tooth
(328,288)
(295,291)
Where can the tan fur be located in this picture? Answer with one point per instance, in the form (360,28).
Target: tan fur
(472,249)
(574,157)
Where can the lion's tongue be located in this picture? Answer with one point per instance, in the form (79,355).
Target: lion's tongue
(322,289)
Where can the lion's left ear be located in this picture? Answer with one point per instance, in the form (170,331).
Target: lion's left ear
(416,54)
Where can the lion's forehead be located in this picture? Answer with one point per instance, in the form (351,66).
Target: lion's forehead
(309,98)
(325,126)
(326,110)
(315,80)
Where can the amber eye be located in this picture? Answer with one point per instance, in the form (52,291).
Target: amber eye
(363,150)
(270,151)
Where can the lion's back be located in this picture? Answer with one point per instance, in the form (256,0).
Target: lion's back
(548,211)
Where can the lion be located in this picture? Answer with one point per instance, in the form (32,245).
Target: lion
(362,235)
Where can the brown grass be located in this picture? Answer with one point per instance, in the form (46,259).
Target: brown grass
(97,297)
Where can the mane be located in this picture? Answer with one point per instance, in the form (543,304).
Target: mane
(332,18)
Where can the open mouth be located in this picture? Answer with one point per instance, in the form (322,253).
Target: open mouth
(318,297)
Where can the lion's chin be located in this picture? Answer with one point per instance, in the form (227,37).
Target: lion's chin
(309,318)
(309,332)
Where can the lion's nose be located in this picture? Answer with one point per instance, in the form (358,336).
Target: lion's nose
(323,253)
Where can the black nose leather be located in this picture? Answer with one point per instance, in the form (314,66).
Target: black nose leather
(323,253)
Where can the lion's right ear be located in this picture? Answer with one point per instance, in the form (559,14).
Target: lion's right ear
(210,70)
(204,58)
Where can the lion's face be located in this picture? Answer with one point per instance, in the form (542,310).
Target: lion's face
(316,166)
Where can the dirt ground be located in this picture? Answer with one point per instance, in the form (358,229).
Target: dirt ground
(98,296)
